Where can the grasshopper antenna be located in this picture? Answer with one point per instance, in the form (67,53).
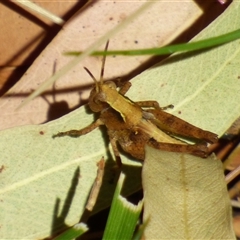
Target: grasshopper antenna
(103,63)
(102,70)
(95,80)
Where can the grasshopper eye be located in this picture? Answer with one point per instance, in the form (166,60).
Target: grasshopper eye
(94,103)
(111,84)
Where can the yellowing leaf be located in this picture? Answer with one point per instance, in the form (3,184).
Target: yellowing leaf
(185,197)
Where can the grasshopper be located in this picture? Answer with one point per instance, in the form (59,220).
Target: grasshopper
(134,124)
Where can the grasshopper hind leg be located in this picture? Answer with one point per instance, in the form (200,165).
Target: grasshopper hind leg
(200,150)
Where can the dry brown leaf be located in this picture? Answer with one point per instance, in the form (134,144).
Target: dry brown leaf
(157,26)
(27,29)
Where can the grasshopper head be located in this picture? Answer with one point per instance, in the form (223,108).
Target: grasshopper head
(99,95)
(96,98)
(95,104)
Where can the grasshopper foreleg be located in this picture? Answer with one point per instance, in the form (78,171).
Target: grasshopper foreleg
(77,133)
(113,142)
(123,89)
(145,104)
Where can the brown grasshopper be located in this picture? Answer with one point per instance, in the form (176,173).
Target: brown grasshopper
(134,124)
